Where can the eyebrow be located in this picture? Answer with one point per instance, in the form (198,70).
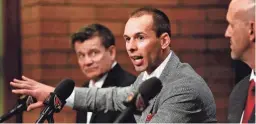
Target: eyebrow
(136,34)
(125,35)
(139,33)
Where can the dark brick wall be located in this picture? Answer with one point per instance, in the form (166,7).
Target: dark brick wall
(198,28)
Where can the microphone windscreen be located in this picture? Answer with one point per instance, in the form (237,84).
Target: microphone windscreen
(64,88)
(150,88)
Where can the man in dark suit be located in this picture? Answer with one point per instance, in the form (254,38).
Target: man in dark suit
(96,53)
(184,97)
(241,31)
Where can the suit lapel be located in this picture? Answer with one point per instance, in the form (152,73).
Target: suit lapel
(113,76)
(239,99)
(165,78)
(169,69)
(92,117)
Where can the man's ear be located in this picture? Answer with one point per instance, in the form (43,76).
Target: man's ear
(252,31)
(165,40)
(112,52)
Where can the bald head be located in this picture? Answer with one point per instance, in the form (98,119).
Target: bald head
(243,10)
(241,30)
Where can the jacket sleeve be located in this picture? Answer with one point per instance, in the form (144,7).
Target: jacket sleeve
(101,99)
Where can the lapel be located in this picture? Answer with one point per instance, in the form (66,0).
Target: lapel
(238,100)
(111,80)
(165,78)
(169,69)
(113,76)
(166,73)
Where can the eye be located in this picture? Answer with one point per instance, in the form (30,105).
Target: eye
(141,37)
(93,53)
(80,56)
(127,39)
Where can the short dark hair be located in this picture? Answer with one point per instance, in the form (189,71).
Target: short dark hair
(87,32)
(161,23)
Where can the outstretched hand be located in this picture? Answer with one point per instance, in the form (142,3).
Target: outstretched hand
(28,86)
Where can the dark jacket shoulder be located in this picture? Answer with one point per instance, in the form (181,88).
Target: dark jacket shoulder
(237,100)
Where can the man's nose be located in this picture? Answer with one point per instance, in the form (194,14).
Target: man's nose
(228,31)
(87,61)
(131,46)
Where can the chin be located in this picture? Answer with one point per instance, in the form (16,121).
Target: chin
(91,76)
(140,69)
(234,56)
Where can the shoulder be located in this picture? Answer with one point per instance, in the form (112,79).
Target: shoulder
(185,81)
(186,85)
(240,87)
(185,78)
(121,76)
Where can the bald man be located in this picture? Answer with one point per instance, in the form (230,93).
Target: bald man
(241,31)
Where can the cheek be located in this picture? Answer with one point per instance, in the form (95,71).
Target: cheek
(149,50)
(144,47)
(239,37)
(104,62)
(155,52)
(80,63)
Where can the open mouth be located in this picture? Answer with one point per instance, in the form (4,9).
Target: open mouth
(137,60)
(136,57)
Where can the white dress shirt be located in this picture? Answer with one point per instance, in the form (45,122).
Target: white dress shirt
(70,100)
(253,76)
(158,71)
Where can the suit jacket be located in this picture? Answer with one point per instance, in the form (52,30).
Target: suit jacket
(237,100)
(185,97)
(116,77)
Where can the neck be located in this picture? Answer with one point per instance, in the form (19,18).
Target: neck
(94,80)
(249,59)
(97,78)
(163,55)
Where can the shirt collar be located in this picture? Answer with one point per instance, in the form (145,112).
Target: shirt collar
(101,81)
(158,71)
(253,76)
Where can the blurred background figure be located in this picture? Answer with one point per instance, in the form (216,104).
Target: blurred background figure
(241,32)
(96,54)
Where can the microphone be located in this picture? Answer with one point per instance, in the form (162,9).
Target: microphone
(56,100)
(23,102)
(140,100)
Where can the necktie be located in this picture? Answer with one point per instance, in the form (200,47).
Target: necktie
(250,102)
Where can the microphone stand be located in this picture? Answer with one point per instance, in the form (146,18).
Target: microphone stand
(47,116)
(50,118)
